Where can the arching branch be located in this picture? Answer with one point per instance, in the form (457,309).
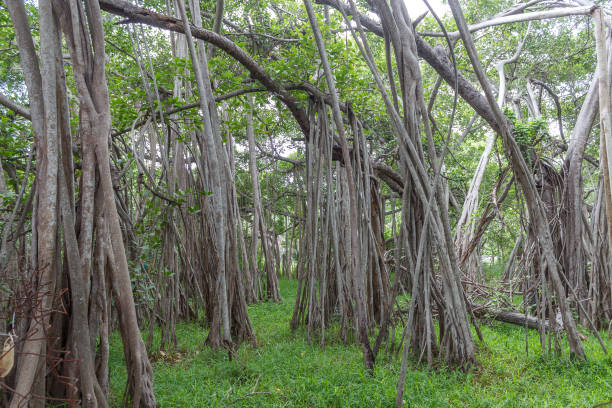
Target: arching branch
(135,14)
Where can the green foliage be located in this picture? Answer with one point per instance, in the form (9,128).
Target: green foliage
(284,371)
(525,133)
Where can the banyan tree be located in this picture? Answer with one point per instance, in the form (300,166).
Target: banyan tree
(136,215)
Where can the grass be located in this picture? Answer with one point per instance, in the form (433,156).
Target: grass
(284,371)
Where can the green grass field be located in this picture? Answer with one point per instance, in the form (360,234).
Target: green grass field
(284,371)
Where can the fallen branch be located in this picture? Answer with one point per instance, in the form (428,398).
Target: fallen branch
(516,318)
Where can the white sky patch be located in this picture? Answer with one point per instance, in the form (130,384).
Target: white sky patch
(418,7)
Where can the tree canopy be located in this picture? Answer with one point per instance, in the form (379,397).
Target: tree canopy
(174,161)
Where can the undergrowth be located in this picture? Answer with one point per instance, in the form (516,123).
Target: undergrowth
(284,371)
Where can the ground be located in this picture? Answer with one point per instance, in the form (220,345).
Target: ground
(284,371)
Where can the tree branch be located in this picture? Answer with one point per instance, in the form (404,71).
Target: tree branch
(517,18)
(15,107)
(437,59)
(135,14)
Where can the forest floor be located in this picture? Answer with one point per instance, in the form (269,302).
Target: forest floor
(284,371)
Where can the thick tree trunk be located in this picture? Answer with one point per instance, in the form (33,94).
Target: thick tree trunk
(574,260)
(358,283)
(217,216)
(42,90)
(86,40)
(605,108)
(227,304)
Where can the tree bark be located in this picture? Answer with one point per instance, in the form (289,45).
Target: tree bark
(86,41)
(41,85)
(358,283)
